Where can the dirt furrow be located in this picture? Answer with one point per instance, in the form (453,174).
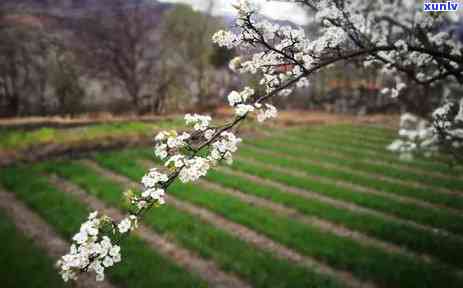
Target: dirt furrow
(354,187)
(321,224)
(337,203)
(266,243)
(34,227)
(207,270)
(409,183)
(372,160)
(244,233)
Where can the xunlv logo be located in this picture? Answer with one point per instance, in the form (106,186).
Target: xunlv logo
(443,6)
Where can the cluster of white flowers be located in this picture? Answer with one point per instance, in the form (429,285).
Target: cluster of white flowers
(190,167)
(419,135)
(128,224)
(276,64)
(284,57)
(267,112)
(238,100)
(193,169)
(243,109)
(152,193)
(153,178)
(89,251)
(226,39)
(224,147)
(402,42)
(200,122)
(415,133)
(168,141)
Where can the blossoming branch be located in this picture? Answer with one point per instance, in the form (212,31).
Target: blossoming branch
(389,35)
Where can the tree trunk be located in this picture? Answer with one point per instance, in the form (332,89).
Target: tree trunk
(134,92)
(13,106)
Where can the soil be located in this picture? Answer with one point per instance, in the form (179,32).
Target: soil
(32,123)
(336,203)
(70,150)
(206,269)
(76,149)
(322,224)
(34,227)
(246,234)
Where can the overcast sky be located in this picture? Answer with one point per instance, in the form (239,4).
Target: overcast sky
(274,9)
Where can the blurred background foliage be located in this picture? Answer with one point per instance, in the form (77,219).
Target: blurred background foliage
(74,57)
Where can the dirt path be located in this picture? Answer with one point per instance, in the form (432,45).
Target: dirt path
(207,270)
(354,187)
(243,233)
(399,166)
(409,183)
(32,225)
(31,123)
(321,224)
(371,160)
(337,203)
(41,152)
(263,242)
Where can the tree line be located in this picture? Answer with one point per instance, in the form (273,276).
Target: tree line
(129,57)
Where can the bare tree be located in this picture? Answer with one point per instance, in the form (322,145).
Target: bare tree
(119,45)
(23,53)
(190,32)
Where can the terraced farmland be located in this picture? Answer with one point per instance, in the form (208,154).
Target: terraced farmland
(321,206)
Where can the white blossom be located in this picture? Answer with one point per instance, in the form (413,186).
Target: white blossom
(177,161)
(155,194)
(200,122)
(235,64)
(243,109)
(224,147)
(153,178)
(266,113)
(177,141)
(127,224)
(234,98)
(209,134)
(161,151)
(226,39)
(283,57)
(194,169)
(89,252)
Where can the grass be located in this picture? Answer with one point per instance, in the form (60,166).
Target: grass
(340,143)
(22,263)
(370,135)
(415,239)
(363,130)
(259,268)
(375,202)
(361,139)
(440,217)
(142,267)
(347,150)
(354,164)
(377,142)
(17,139)
(343,253)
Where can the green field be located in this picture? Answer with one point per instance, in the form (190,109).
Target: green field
(339,174)
(13,139)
